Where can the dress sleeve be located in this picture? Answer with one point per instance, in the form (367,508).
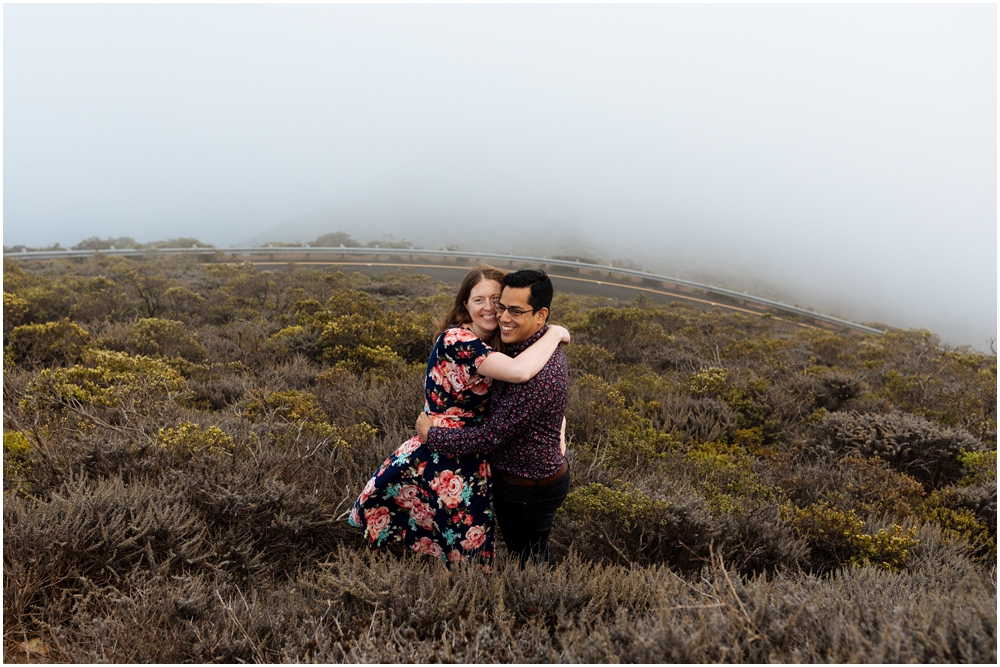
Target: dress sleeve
(461,346)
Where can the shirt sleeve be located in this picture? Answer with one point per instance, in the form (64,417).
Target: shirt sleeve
(509,418)
(463,347)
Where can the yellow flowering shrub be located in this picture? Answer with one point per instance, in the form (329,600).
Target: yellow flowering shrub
(981,467)
(168,338)
(17,450)
(190,438)
(724,475)
(61,342)
(102,378)
(629,506)
(837,537)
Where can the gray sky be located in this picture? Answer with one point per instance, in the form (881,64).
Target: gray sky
(843,157)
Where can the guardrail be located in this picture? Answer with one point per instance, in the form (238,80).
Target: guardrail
(457,254)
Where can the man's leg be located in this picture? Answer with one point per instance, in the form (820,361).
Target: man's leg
(525,515)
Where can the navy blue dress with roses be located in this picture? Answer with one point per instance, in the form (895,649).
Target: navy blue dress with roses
(436,504)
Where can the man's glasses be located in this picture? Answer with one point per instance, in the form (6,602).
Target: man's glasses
(514,312)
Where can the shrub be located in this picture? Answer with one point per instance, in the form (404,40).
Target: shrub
(103,378)
(292,415)
(960,524)
(832,390)
(827,348)
(17,450)
(182,303)
(981,467)
(102,299)
(188,438)
(145,279)
(967,515)
(712,382)
(379,360)
(296,339)
(871,486)
(222,385)
(61,343)
(604,428)
(14,311)
(725,476)
(631,335)
(288,406)
(168,338)
(837,538)
(694,419)
(357,320)
(49,301)
(628,506)
(625,524)
(912,445)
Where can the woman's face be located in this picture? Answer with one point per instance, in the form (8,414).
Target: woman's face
(482,307)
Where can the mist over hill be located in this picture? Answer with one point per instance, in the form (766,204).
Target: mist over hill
(842,157)
(839,272)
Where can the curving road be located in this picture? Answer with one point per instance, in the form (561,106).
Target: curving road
(562,283)
(570,276)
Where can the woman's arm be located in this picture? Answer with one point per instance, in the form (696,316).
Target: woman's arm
(527,364)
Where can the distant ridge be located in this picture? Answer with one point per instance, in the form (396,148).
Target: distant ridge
(432,221)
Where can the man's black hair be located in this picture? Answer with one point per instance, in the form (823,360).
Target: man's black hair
(538,281)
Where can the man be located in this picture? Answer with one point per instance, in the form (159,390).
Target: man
(522,433)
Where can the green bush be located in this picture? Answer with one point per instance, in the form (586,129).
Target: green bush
(102,300)
(17,453)
(964,518)
(626,525)
(52,343)
(14,311)
(724,475)
(603,428)
(840,538)
(188,438)
(103,378)
(981,467)
(166,338)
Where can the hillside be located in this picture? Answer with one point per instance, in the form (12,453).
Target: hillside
(182,443)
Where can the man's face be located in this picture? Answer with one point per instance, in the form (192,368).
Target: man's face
(517,328)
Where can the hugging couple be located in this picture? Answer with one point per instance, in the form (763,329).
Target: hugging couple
(484,449)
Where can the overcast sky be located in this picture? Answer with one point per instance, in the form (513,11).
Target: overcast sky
(841,156)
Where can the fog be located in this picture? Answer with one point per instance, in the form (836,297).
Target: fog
(840,157)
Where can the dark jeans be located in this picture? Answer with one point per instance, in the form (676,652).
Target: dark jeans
(524,515)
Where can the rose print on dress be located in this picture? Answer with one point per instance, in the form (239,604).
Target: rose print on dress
(378,520)
(422,514)
(427,546)
(449,487)
(407,496)
(474,538)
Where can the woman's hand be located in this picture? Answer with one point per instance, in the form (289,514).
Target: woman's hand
(563,333)
(423,426)
(562,438)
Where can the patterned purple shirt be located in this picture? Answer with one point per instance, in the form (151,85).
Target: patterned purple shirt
(521,433)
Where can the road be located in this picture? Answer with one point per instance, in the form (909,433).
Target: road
(612,289)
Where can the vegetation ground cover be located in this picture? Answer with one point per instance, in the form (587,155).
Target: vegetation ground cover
(182,442)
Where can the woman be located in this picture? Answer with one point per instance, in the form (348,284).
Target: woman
(435,504)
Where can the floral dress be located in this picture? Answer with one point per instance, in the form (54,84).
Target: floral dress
(436,504)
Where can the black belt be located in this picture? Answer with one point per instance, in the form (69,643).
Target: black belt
(527,481)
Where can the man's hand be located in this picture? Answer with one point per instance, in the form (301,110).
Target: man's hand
(423,426)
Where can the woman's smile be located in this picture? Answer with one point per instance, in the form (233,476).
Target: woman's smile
(482,307)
